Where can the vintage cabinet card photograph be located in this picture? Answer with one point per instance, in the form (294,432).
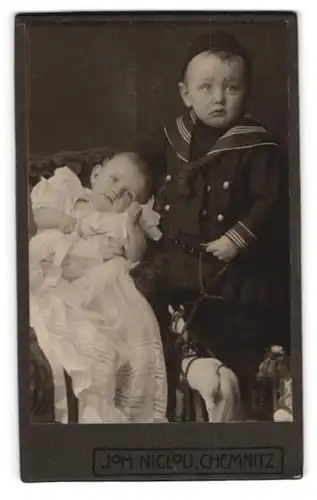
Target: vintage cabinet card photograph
(159,292)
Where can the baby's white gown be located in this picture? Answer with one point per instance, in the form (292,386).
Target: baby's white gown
(98,328)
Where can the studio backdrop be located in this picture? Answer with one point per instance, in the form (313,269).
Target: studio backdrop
(110,84)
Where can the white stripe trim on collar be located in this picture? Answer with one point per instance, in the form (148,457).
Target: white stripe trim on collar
(244,129)
(193,116)
(169,140)
(187,132)
(249,146)
(183,130)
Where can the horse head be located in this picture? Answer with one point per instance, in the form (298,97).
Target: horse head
(178,325)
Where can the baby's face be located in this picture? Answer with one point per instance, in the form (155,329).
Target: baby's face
(116,185)
(215,88)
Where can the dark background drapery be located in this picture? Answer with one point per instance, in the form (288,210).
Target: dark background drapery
(108,84)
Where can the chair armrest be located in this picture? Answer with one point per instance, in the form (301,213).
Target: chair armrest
(80,162)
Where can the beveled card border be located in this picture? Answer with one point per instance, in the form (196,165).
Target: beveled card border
(54,452)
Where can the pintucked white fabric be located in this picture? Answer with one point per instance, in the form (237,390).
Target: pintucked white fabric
(98,328)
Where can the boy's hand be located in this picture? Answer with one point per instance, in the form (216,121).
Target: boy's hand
(67,223)
(223,248)
(134,212)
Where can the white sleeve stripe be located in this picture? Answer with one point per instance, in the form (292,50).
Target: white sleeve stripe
(232,238)
(236,238)
(247,229)
(239,237)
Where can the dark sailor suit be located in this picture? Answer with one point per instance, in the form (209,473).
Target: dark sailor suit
(233,182)
(234,189)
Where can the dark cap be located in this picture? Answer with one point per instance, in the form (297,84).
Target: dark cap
(217,41)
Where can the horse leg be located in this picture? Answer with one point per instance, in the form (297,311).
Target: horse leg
(199,407)
(203,377)
(228,404)
(218,386)
(210,407)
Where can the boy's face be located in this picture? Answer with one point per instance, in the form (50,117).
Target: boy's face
(215,88)
(116,184)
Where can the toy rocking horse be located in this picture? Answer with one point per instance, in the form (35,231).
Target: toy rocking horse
(204,381)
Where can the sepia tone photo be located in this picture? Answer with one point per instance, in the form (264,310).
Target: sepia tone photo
(159,240)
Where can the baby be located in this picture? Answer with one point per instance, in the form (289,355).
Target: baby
(108,218)
(86,312)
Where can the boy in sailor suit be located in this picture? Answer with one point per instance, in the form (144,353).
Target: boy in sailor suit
(220,195)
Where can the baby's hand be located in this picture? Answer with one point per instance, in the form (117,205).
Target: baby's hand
(67,223)
(83,228)
(134,212)
(71,271)
(46,264)
(111,249)
(223,248)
